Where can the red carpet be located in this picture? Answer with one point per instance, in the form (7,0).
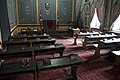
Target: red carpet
(99,69)
(51,74)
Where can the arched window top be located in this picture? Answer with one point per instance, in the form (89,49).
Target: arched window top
(95,23)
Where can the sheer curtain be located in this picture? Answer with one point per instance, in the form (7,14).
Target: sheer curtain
(103,12)
(116,24)
(92,12)
(95,23)
(115,16)
(101,6)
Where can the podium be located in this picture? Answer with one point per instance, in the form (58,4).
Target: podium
(49,26)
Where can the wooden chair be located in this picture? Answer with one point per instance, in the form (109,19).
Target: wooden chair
(72,29)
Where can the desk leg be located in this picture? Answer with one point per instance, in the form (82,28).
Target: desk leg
(33,55)
(61,53)
(36,72)
(73,71)
(75,39)
(84,43)
(97,52)
(35,77)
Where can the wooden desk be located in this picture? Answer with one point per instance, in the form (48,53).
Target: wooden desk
(33,51)
(34,67)
(43,41)
(28,31)
(28,42)
(53,48)
(60,62)
(29,37)
(112,43)
(97,38)
(9,69)
(84,35)
(14,52)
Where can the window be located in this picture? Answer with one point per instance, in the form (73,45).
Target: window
(95,23)
(116,24)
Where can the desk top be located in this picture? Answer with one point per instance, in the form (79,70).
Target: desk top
(116,52)
(60,62)
(7,69)
(30,36)
(50,48)
(102,36)
(115,31)
(24,41)
(28,29)
(16,51)
(110,41)
(88,33)
(28,50)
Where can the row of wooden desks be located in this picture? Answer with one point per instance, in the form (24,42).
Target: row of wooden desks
(92,37)
(8,69)
(97,38)
(88,33)
(44,36)
(34,66)
(33,51)
(28,42)
(28,31)
(84,34)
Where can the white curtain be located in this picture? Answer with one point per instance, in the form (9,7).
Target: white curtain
(95,22)
(116,24)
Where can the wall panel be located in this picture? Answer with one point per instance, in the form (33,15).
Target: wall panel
(27,11)
(49,14)
(65,11)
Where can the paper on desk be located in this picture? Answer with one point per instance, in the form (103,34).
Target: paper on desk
(116,52)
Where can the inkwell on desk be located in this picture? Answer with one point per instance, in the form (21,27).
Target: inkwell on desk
(46,61)
(73,56)
(25,63)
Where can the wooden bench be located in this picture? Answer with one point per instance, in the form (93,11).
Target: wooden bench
(83,34)
(112,44)
(96,38)
(53,49)
(33,51)
(28,31)
(28,42)
(9,69)
(60,62)
(29,37)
